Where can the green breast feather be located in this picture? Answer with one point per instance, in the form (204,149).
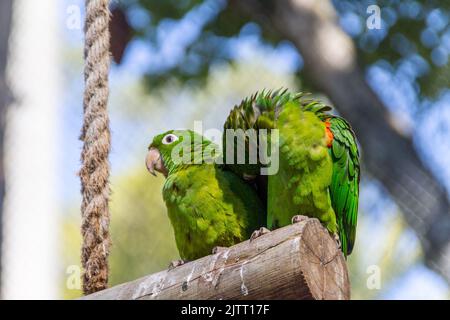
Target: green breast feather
(209,207)
(301,185)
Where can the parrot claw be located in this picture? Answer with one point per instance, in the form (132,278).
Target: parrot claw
(218,249)
(176,263)
(298,218)
(338,240)
(258,233)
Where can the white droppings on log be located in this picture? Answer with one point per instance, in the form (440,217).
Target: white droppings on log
(244,289)
(208,277)
(189,277)
(155,282)
(207,271)
(223,263)
(296,245)
(295,251)
(158,287)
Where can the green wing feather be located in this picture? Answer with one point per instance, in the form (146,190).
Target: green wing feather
(260,111)
(344,188)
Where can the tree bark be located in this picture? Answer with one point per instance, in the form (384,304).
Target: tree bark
(330,62)
(300,261)
(5,100)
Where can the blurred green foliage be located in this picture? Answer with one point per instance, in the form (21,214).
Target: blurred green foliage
(143,241)
(407,29)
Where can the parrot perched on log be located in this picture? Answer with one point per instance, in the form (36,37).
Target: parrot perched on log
(207,205)
(318,171)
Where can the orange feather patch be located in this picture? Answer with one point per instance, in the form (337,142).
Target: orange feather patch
(328,133)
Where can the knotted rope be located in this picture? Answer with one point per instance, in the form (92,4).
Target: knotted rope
(94,173)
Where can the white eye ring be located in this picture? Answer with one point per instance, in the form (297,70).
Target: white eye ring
(170,138)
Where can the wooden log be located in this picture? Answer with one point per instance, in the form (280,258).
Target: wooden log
(300,261)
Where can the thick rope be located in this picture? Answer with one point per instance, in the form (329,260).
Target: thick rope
(94,173)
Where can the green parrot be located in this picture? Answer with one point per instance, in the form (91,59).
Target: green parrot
(207,205)
(318,161)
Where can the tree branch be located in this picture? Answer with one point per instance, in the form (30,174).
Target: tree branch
(300,261)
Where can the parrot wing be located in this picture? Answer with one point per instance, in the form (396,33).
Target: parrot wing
(344,188)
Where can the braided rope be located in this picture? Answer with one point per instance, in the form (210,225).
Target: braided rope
(94,173)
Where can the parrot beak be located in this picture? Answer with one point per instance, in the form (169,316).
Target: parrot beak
(153,161)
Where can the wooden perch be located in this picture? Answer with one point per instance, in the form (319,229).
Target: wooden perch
(300,261)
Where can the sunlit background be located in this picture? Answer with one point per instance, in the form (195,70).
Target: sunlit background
(164,82)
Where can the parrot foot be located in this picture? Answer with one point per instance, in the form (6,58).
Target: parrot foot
(218,249)
(258,233)
(338,240)
(298,218)
(176,263)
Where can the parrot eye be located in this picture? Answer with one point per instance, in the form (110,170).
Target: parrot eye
(170,138)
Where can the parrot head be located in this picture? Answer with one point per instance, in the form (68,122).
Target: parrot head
(176,149)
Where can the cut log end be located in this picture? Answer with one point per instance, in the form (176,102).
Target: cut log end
(300,261)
